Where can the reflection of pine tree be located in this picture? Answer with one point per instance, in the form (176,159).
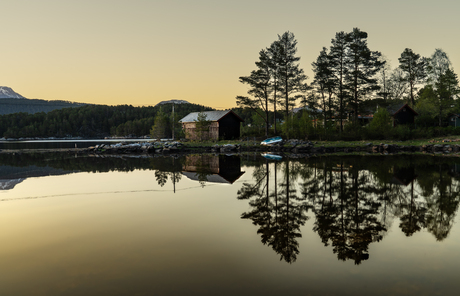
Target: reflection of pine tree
(354,202)
(261,214)
(387,194)
(345,215)
(292,215)
(413,214)
(442,205)
(322,201)
(175,178)
(279,216)
(161,177)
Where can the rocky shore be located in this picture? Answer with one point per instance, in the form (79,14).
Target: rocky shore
(287,147)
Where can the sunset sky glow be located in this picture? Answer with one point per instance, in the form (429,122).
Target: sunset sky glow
(141,52)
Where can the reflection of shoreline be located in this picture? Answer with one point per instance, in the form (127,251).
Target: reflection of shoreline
(9,184)
(11,176)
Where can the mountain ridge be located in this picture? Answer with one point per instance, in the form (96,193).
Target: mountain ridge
(173,102)
(7,92)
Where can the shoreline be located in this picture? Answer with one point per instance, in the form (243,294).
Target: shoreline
(306,149)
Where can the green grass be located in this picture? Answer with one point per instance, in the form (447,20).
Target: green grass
(417,142)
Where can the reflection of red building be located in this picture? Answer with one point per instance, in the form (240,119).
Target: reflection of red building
(214,168)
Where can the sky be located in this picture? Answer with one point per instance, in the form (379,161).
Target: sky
(142,52)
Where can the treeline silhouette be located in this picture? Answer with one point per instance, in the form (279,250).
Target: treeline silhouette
(90,121)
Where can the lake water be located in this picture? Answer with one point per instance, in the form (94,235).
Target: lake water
(229,225)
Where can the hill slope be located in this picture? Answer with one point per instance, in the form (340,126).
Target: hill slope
(12,102)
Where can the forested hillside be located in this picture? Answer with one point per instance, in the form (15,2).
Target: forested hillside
(90,121)
(15,105)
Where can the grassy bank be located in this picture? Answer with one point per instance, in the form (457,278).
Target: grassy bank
(415,142)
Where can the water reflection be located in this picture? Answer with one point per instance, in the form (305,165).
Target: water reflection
(212,168)
(15,168)
(345,215)
(354,201)
(122,227)
(277,210)
(200,167)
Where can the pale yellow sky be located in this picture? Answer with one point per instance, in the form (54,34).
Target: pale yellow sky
(141,52)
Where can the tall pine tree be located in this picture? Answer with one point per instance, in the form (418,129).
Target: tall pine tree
(291,76)
(338,54)
(413,67)
(324,82)
(260,88)
(363,65)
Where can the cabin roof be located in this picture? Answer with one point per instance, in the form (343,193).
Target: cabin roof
(210,115)
(397,108)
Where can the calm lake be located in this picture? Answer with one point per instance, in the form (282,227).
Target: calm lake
(229,225)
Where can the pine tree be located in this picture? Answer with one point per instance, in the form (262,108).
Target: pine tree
(324,81)
(337,53)
(260,89)
(202,126)
(274,62)
(363,65)
(414,68)
(446,91)
(292,77)
(161,127)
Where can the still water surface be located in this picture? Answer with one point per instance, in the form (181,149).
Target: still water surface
(218,225)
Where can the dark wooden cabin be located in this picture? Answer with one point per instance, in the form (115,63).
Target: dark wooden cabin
(402,114)
(454,120)
(225,125)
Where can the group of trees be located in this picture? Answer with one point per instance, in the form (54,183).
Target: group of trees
(95,121)
(278,80)
(349,80)
(438,97)
(345,76)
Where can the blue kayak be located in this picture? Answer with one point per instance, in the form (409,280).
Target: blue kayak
(272,156)
(271,141)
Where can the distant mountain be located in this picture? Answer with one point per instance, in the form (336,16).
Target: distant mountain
(12,102)
(8,93)
(173,102)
